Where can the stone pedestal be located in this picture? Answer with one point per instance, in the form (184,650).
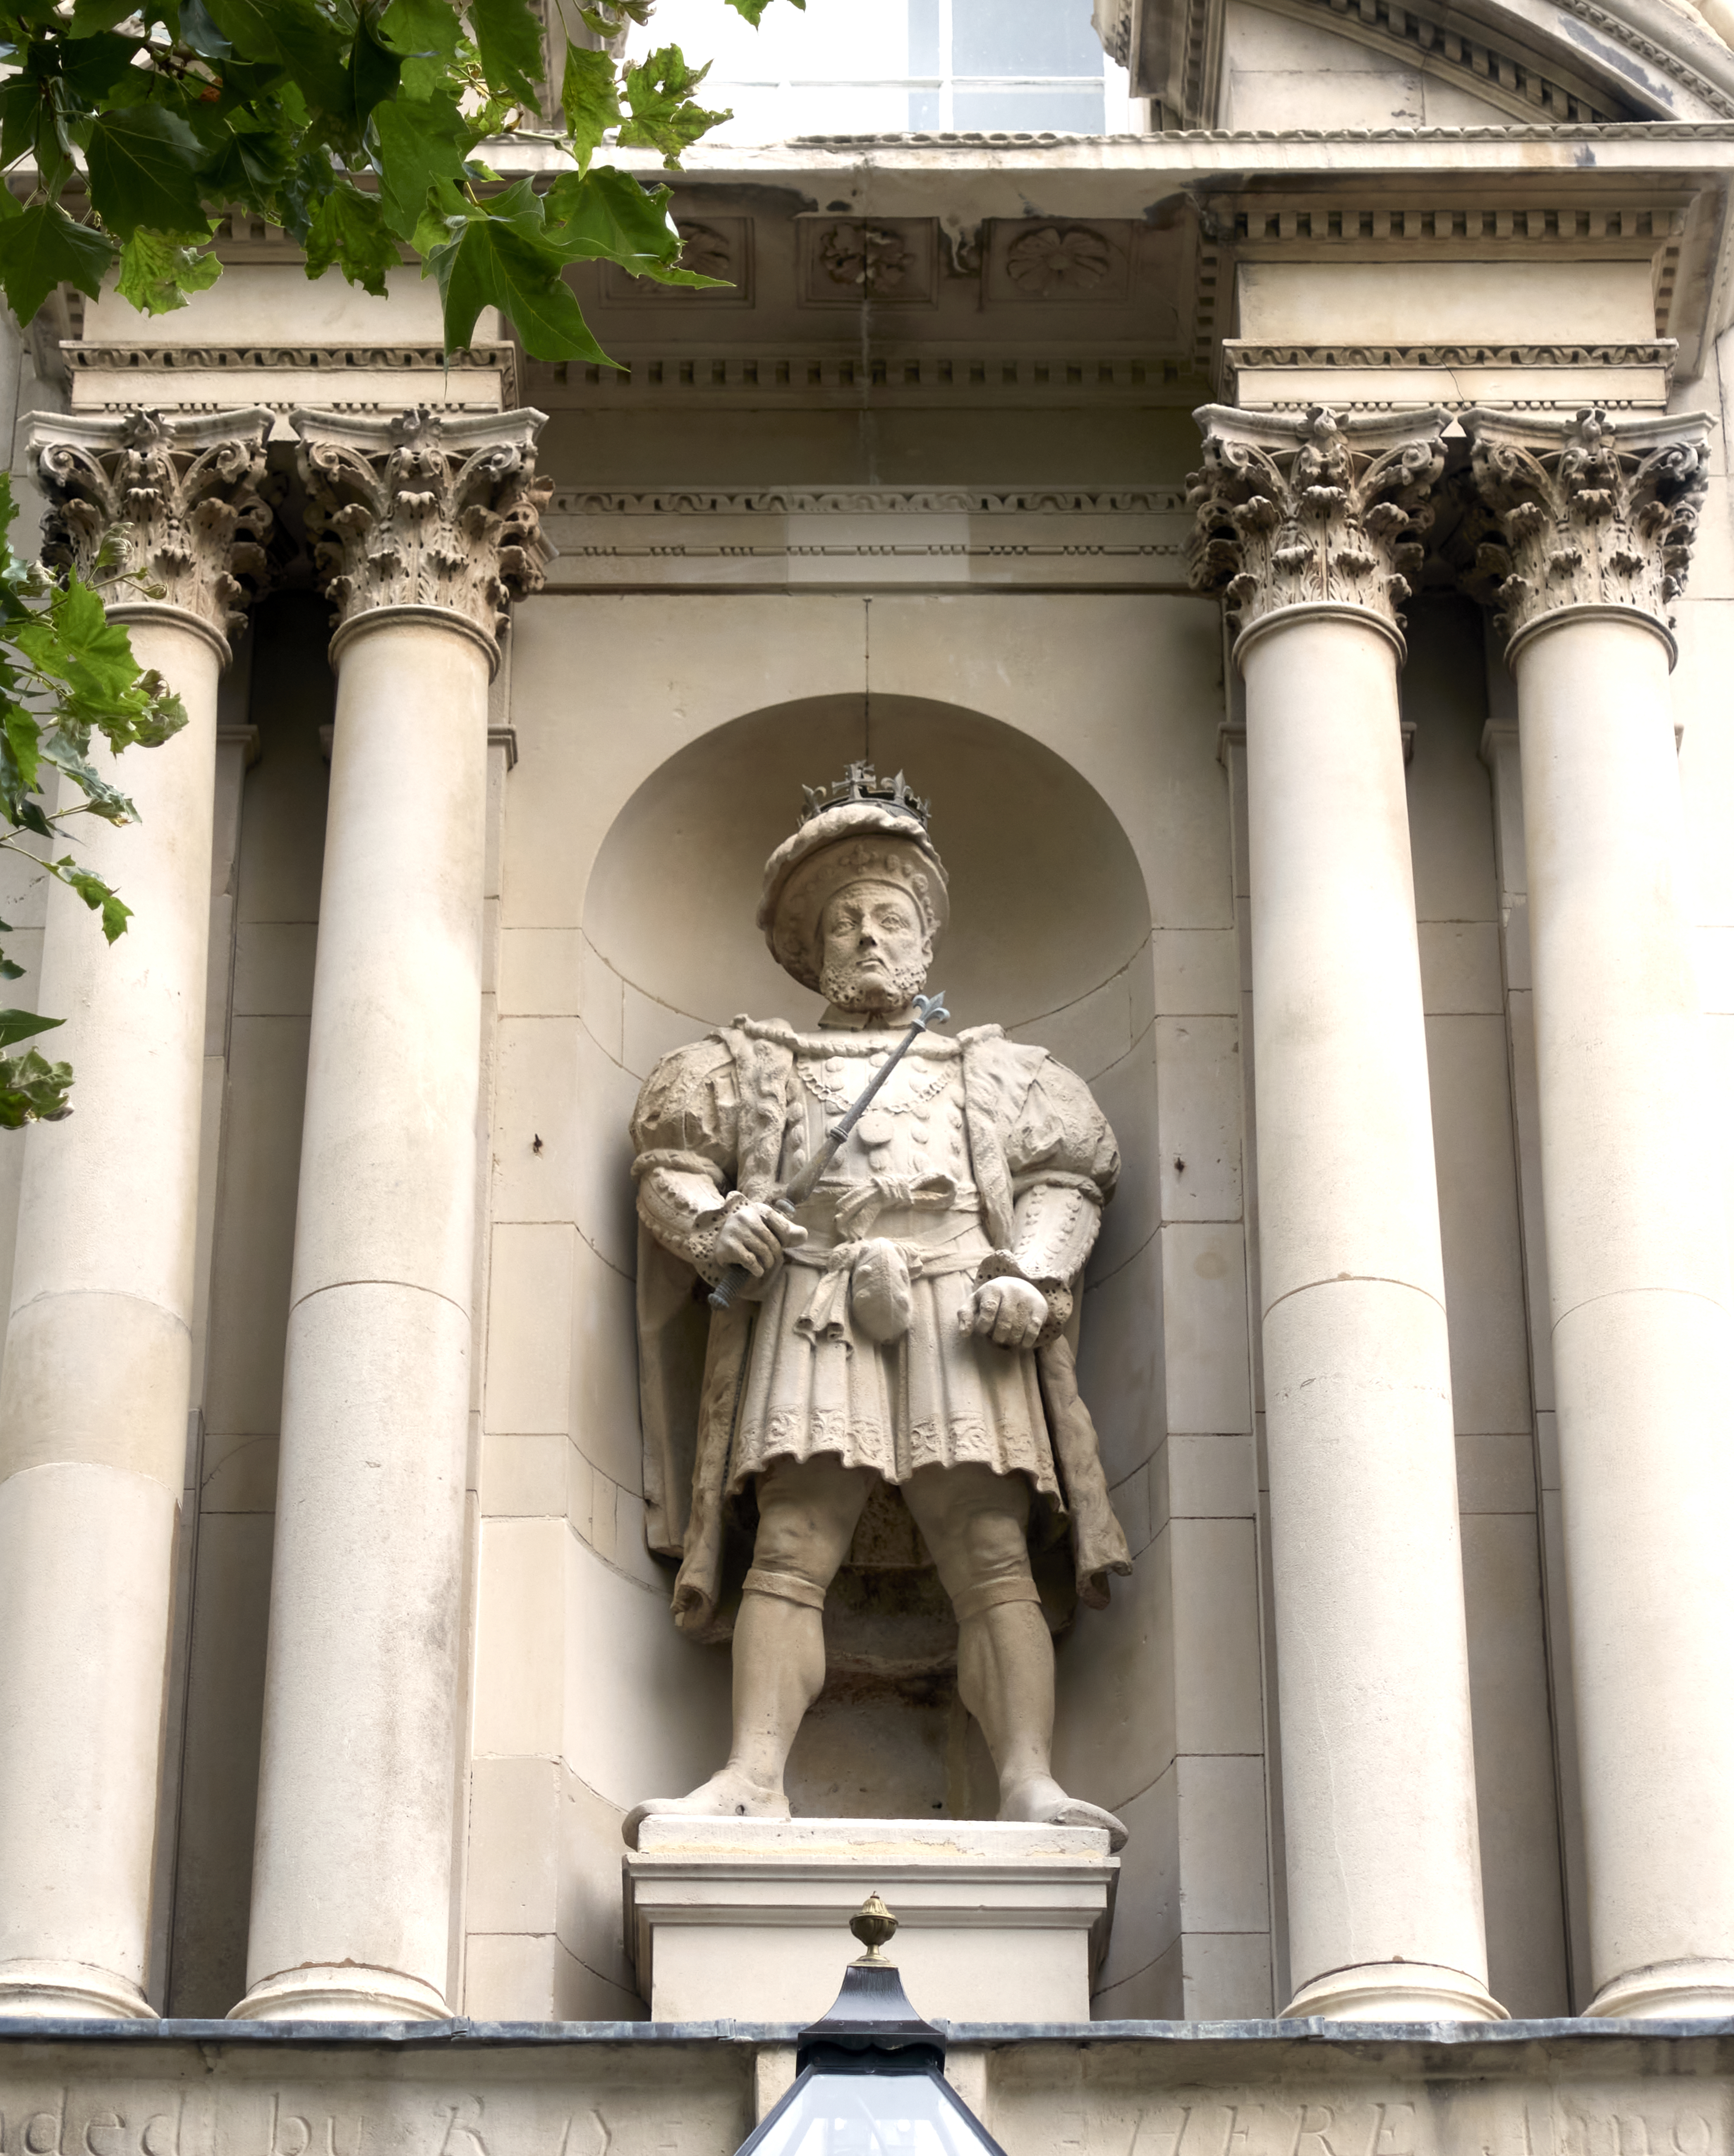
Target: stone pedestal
(747,1919)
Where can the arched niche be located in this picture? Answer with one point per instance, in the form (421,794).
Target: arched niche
(1049,937)
(1048,902)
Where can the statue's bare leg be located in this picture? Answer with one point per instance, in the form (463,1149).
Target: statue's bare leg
(975,1523)
(808,1512)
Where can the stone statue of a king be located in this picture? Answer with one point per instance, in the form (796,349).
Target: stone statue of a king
(908,1324)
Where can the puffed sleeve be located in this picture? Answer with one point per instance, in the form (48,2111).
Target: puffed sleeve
(683,1140)
(1063,1164)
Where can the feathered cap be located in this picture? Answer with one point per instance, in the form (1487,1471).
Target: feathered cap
(863,829)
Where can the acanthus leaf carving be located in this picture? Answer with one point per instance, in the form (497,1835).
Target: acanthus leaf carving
(1584,512)
(1312,509)
(179,497)
(426,508)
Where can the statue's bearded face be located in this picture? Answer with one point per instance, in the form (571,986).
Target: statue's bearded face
(876,949)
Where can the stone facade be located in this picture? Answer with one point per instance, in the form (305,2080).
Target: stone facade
(1292,549)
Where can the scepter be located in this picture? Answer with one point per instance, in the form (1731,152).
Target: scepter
(929,1010)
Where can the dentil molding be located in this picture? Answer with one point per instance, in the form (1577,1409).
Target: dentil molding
(425,510)
(1590,512)
(1310,509)
(181,494)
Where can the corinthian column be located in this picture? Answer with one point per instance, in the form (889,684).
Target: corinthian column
(94,1401)
(1311,524)
(426,528)
(1597,521)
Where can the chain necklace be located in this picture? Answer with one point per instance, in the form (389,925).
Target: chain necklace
(906,1091)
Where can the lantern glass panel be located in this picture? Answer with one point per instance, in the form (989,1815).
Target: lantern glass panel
(871,2114)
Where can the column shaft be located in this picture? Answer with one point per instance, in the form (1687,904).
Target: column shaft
(94,1398)
(1596,521)
(352,1863)
(1384,1867)
(425,530)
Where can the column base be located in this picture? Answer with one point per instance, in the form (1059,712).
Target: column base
(1395,1991)
(33,1990)
(341,1991)
(1668,1991)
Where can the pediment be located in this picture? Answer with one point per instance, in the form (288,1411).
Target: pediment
(1474,61)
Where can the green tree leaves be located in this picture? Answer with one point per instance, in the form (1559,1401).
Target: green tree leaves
(42,248)
(143,166)
(359,127)
(665,113)
(67,676)
(356,126)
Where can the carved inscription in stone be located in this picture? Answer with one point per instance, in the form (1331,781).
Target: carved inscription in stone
(1552,2093)
(589,2100)
(1306,2114)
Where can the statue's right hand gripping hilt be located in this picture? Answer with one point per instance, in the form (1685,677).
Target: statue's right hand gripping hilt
(736,1277)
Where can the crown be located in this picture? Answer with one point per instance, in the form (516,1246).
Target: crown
(861,783)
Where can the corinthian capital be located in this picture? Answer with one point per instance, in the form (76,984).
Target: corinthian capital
(426,511)
(1313,509)
(1593,512)
(178,498)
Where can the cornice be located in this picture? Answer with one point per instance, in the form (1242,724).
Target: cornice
(870,538)
(80,356)
(868,501)
(1631,131)
(1615,375)
(1659,352)
(778,379)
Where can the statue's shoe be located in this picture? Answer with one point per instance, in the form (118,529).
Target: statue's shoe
(722,1797)
(1043,1803)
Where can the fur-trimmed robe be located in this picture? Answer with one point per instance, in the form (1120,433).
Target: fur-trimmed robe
(692,1377)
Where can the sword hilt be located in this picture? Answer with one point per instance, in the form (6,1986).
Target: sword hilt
(722,1296)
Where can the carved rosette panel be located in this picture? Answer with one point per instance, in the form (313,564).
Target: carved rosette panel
(425,509)
(1313,508)
(1584,512)
(180,495)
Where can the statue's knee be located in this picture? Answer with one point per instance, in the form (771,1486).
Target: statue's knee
(995,1546)
(807,1521)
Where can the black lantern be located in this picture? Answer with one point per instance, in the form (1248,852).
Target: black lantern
(870,2078)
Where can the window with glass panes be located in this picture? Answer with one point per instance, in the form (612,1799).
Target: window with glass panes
(862,67)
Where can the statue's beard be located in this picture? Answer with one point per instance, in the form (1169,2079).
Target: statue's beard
(850,986)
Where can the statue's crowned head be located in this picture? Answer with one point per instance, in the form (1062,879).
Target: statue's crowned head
(855,898)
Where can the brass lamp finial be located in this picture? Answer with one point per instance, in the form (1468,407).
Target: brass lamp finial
(873,1925)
